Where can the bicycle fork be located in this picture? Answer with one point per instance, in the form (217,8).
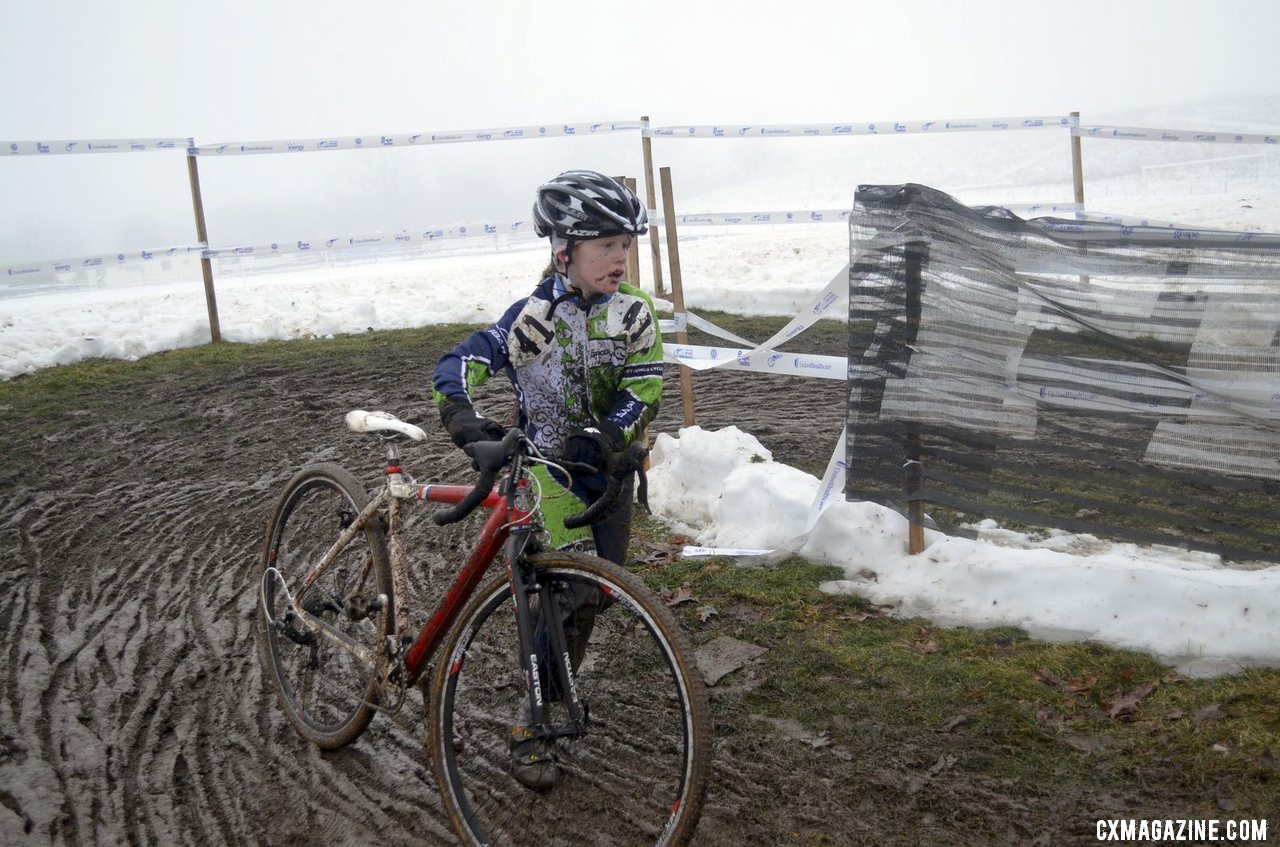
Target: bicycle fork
(544,684)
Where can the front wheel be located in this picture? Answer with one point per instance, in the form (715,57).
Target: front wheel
(638,774)
(325,688)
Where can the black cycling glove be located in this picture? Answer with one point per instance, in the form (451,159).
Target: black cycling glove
(593,444)
(465,425)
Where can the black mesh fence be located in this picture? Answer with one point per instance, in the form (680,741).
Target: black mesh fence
(1091,377)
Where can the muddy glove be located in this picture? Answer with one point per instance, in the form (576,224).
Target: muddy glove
(465,425)
(593,444)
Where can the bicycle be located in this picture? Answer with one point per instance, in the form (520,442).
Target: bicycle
(622,711)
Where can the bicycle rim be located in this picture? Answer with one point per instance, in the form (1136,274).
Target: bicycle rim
(326,692)
(636,777)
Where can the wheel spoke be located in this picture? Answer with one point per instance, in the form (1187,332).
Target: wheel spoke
(644,753)
(326,691)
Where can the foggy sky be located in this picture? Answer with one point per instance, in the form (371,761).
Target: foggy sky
(246,70)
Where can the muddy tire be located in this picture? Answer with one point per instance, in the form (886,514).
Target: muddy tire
(636,777)
(326,692)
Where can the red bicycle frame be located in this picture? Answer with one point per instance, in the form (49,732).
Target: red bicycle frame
(504,516)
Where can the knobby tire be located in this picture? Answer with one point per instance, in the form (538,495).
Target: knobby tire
(326,693)
(637,777)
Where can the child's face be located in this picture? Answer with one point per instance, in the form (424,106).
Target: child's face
(599,265)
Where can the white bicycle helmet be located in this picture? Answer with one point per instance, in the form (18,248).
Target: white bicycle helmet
(584,204)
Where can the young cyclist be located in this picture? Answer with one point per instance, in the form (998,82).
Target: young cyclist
(584,354)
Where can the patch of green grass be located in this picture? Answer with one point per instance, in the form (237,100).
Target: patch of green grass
(64,389)
(1052,715)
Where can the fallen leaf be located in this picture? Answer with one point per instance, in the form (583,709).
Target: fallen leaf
(1049,678)
(683,594)
(926,647)
(706,613)
(1079,686)
(1212,712)
(1176,714)
(1124,706)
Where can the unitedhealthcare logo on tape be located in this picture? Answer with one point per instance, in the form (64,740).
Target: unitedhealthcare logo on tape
(825,303)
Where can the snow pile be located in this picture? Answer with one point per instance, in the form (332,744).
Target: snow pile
(1185,608)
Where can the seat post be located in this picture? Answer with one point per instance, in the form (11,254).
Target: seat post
(393,450)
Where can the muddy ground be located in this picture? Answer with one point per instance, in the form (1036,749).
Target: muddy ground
(133,709)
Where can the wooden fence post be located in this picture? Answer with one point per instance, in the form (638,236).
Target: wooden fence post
(1077,169)
(633,258)
(677,291)
(914,260)
(1077,182)
(655,249)
(202,237)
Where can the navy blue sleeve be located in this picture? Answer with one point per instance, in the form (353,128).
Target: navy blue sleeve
(480,355)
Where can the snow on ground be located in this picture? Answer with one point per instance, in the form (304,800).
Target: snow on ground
(1185,608)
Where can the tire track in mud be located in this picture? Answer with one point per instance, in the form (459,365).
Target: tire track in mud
(133,707)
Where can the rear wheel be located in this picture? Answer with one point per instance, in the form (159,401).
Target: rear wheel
(325,690)
(638,774)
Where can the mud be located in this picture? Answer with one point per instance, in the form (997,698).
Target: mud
(133,708)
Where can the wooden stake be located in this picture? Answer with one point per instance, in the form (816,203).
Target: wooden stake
(202,237)
(677,291)
(912,266)
(655,250)
(633,258)
(1077,182)
(1077,169)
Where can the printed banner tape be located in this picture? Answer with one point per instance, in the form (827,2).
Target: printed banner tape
(110,145)
(678,322)
(760,361)
(691,551)
(809,216)
(47,268)
(832,482)
(862,128)
(417,139)
(1196,136)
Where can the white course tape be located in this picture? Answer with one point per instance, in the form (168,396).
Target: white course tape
(678,322)
(860,128)
(1197,136)
(51,267)
(809,216)
(792,216)
(110,145)
(417,139)
(478,229)
(759,360)
(711,329)
(762,358)
(832,483)
(691,551)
